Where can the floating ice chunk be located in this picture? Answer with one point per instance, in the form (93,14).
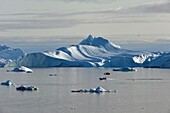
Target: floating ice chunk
(91,90)
(27,88)
(22,69)
(100,89)
(94,90)
(125,69)
(8,83)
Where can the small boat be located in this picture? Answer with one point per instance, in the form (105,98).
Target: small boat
(102,78)
(107,73)
(53,75)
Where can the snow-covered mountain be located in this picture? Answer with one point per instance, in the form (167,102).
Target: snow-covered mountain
(91,52)
(8,54)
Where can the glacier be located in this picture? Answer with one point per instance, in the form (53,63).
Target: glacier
(8,54)
(94,52)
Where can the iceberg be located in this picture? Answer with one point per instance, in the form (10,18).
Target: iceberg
(8,54)
(27,88)
(22,69)
(94,90)
(8,83)
(100,89)
(125,69)
(161,61)
(90,52)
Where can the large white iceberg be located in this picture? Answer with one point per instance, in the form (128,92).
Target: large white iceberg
(91,52)
(161,61)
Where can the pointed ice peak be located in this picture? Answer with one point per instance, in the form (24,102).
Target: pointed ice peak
(99,42)
(90,37)
(88,41)
(3,47)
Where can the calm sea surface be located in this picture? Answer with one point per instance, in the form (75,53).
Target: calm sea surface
(144,91)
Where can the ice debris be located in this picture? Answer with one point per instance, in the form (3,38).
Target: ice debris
(94,90)
(125,69)
(27,88)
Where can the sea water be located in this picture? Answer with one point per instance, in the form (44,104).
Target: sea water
(144,91)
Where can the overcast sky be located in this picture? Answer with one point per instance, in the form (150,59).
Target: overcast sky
(39,19)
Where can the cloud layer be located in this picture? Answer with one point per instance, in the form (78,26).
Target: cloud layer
(151,8)
(51,20)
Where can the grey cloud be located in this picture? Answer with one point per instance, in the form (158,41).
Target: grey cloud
(163,40)
(40,20)
(35,24)
(150,8)
(54,22)
(146,8)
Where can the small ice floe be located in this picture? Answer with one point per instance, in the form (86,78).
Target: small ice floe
(94,90)
(125,69)
(107,73)
(27,88)
(21,69)
(8,83)
(103,78)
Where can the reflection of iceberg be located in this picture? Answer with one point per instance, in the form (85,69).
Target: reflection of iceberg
(125,69)
(94,90)
(7,83)
(22,69)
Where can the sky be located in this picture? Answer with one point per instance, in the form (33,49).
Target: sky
(64,22)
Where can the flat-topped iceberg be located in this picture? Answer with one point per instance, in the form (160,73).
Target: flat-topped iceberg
(91,52)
